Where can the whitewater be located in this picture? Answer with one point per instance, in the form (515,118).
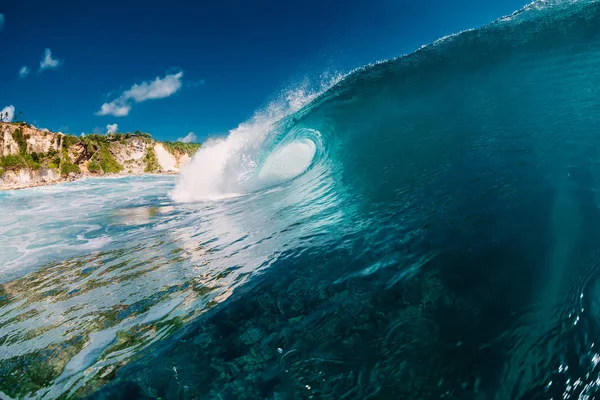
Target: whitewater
(423,227)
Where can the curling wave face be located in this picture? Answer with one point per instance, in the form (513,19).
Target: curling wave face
(437,159)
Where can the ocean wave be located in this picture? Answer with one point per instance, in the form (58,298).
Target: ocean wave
(423,227)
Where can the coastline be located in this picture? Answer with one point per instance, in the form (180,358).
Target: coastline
(30,157)
(67,179)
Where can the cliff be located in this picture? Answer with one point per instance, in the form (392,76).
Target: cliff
(34,157)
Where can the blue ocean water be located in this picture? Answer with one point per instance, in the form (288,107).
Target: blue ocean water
(426,227)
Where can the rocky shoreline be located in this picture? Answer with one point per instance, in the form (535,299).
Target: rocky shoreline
(30,157)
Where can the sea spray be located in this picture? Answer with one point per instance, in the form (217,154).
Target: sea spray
(231,166)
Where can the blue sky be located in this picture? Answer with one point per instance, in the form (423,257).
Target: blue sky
(170,68)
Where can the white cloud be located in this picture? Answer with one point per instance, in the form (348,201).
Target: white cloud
(23,72)
(112,128)
(189,138)
(10,110)
(1,22)
(114,109)
(159,88)
(48,61)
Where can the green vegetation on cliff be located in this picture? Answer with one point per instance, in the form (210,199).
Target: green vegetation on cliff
(96,149)
(151,161)
(69,140)
(67,166)
(21,140)
(22,159)
(185,148)
(94,166)
(98,152)
(108,162)
(13,162)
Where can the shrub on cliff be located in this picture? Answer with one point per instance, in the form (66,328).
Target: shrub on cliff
(151,161)
(31,161)
(12,162)
(94,166)
(180,147)
(37,157)
(21,140)
(96,138)
(55,160)
(69,140)
(18,161)
(108,163)
(68,167)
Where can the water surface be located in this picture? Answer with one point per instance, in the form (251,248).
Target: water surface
(427,227)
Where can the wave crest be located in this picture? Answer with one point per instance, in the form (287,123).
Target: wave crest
(255,155)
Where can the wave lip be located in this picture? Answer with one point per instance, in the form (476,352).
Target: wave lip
(265,151)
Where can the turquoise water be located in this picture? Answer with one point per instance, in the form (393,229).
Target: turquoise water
(426,227)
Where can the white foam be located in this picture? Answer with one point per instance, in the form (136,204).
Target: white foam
(287,162)
(227,167)
(53,222)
